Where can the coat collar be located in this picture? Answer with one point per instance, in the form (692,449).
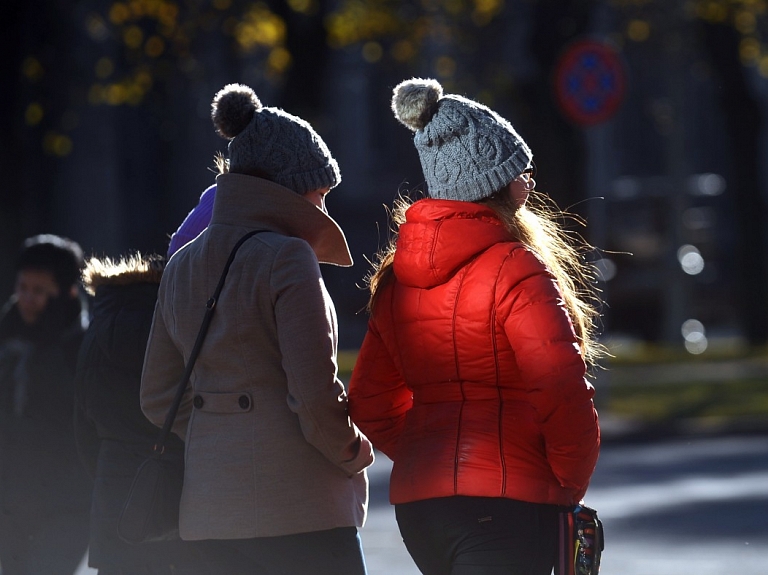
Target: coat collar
(260,204)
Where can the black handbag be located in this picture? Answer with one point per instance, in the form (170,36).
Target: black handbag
(151,510)
(581,541)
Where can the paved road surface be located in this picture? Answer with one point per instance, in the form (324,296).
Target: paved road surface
(685,507)
(680,507)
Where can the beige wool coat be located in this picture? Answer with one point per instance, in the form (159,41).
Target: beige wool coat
(270,449)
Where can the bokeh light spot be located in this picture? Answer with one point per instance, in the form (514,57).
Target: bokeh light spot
(694,335)
(606,269)
(745,22)
(749,50)
(485,10)
(712,11)
(403,51)
(104,68)
(119,13)
(57,144)
(34,114)
(445,66)
(260,27)
(763,66)
(167,14)
(638,30)
(372,52)
(279,59)
(96,28)
(706,184)
(690,259)
(133,36)
(306,7)
(154,46)
(143,79)
(32,69)
(116,94)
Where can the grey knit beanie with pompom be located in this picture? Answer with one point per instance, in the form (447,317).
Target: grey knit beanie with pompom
(272,143)
(467,151)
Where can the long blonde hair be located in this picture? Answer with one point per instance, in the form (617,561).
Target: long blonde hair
(537,226)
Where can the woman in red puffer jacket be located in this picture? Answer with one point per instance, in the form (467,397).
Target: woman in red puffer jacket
(471,377)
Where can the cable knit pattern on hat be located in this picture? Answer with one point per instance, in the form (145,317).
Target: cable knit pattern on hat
(467,151)
(271,141)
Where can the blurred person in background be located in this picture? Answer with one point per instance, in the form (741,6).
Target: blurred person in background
(471,377)
(113,436)
(275,470)
(44,492)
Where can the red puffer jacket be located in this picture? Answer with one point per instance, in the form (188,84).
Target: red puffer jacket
(470,377)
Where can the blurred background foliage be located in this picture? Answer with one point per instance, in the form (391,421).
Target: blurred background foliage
(106,136)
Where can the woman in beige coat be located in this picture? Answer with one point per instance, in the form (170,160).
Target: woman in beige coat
(274,466)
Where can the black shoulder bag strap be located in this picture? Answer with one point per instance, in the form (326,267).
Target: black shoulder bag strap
(210,307)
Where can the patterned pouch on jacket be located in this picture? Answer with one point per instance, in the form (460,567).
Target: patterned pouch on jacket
(581,542)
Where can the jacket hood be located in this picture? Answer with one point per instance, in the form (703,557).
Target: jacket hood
(127,270)
(260,204)
(440,236)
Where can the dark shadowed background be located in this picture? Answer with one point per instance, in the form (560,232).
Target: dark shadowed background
(656,137)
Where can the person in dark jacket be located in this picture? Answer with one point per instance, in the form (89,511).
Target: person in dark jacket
(113,436)
(44,493)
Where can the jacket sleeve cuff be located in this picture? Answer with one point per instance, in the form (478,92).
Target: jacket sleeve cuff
(363,457)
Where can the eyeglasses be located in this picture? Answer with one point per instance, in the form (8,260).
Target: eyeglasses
(531,171)
(527,177)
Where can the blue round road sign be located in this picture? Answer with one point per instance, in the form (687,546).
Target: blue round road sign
(589,82)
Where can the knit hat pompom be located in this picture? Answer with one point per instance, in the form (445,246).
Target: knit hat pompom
(414,102)
(233,108)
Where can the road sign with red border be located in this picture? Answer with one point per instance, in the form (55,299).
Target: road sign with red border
(589,82)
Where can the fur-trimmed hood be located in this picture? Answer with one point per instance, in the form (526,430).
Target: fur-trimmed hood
(132,269)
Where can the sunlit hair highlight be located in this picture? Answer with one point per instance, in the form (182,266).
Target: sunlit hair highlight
(221,164)
(539,225)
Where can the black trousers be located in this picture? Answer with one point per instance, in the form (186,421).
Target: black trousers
(479,536)
(333,552)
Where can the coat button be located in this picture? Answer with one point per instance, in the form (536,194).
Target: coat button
(244,402)
(198,402)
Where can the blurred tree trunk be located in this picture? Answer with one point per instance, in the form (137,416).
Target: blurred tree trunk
(11,190)
(744,125)
(34,71)
(304,85)
(558,146)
